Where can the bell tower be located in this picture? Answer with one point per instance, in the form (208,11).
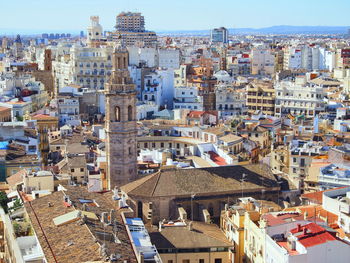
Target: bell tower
(121,130)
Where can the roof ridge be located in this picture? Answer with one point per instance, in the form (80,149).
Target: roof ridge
(155,185)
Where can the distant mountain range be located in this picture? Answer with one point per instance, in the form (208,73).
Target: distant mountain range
(280,30)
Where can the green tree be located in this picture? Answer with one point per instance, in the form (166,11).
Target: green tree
(17,204)
(3,201)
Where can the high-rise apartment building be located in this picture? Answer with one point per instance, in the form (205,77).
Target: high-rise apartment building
(131,22)
(131,30)
(219,35)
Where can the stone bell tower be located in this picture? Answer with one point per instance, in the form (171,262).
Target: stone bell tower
(121,130)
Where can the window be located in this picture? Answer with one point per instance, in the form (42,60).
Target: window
(201,261)
(153,145)
(162,145)
(294,160)
(81,169)
(117,113)
(186,261)
(130,113)
(178,145)
(146,145)
(170,261)
(72,170)
(130,152)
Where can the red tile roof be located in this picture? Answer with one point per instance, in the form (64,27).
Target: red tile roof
(216,158)
(282,217)
(315,212)
(196,114)
(314,235)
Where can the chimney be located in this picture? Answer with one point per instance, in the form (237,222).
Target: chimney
(190,226)
(299,228)
(306,215)
(305,231)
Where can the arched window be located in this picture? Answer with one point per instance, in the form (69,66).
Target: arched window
(130,113)
(117,113)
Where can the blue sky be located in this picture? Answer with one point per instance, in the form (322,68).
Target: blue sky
(73,15)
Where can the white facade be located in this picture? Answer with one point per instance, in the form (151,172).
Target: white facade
(337,202)
(263,62)
(68,110)
(86,66)
(146,56)
(292,58)
(146,110)
(159,88)
(187,98)
(228,101)
(153,57)
(169,58)
(298,98)
(94,31)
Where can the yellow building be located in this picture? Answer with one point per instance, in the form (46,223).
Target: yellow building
(261,96)
(232,221)
(258,134)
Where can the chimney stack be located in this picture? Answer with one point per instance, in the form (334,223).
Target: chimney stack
(299,228)
(190,226)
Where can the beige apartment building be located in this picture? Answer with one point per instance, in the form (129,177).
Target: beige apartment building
(261,96)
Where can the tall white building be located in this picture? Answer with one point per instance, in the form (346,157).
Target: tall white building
(292,58)
(89,67)
(297,97)
(159,88)
(263,61)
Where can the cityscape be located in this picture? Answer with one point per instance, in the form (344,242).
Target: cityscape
(175,143)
